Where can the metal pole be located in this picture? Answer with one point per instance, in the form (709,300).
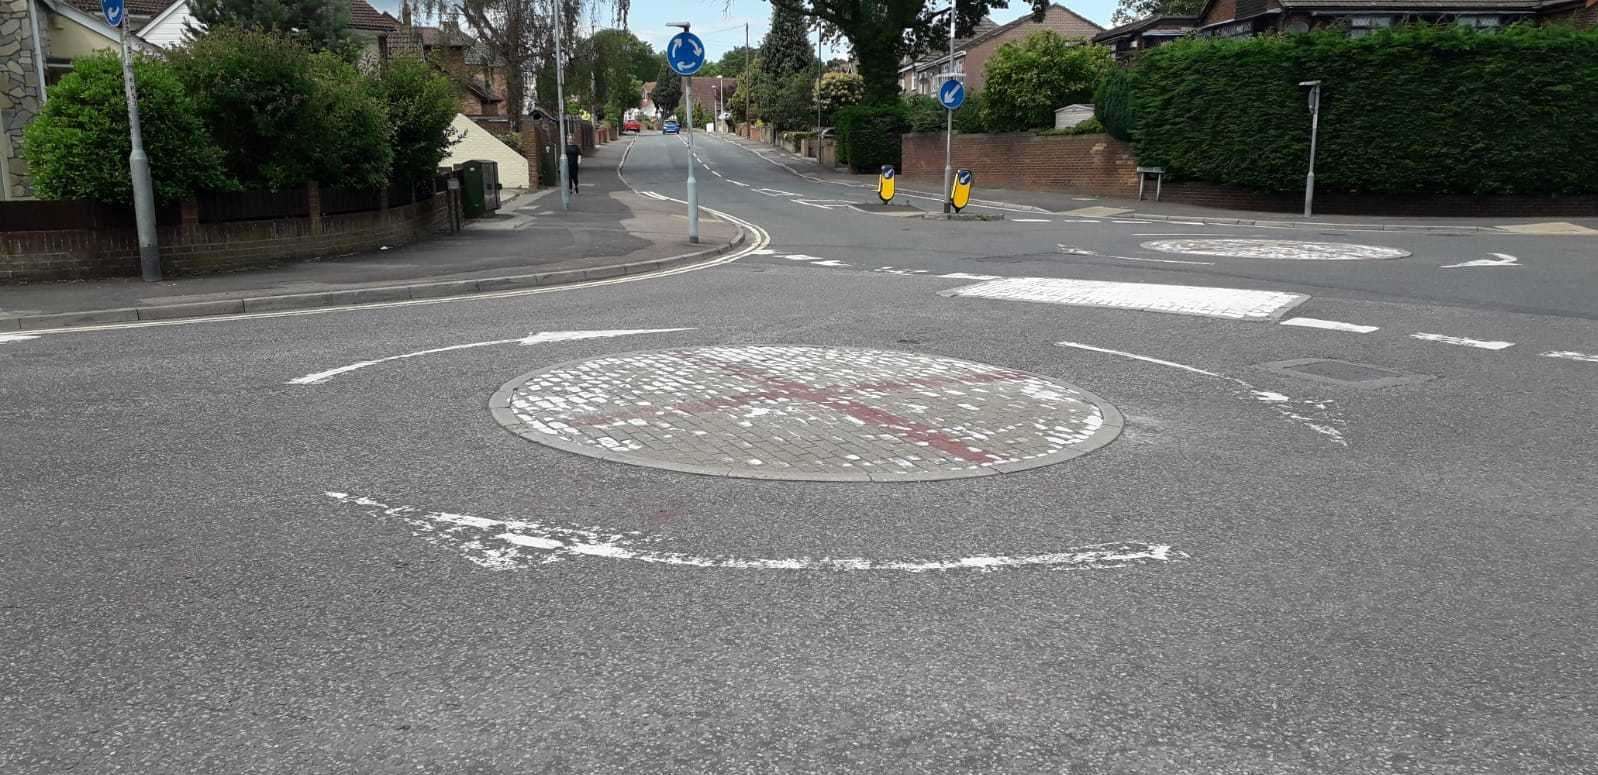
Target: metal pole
(948,131)
(693,185)
(818,90)
(139,167)
(560,110)
(1314,133)
(748,62)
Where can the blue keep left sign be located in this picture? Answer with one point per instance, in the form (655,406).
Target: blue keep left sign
(951,94)
(115,11)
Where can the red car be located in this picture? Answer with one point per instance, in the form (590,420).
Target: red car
(631,125)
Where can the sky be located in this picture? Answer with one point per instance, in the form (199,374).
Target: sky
(722,28)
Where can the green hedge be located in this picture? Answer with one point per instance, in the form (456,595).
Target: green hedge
(1437,109)
(1112,103)
(868,135)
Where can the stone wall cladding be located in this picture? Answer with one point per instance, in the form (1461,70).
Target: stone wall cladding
(19,94)
(195,248)
(1087,164)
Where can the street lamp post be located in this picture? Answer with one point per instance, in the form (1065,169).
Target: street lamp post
(693,185)
(1314,132)
(139,168)
(560,112)
(948,129)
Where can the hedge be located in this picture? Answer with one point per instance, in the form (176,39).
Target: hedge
(1112,103)
(1436,109)
(868,135)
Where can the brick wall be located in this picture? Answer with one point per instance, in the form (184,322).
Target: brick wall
(1087,164)
(196,248)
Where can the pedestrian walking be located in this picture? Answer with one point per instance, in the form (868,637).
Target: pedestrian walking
(574,161)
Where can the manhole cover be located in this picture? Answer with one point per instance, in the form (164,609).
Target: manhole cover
(1347,373)
(1290,250)
(807,413)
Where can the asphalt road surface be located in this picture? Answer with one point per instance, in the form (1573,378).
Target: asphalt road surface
(1072,509)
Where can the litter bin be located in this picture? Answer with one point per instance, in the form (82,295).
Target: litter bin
(479,187)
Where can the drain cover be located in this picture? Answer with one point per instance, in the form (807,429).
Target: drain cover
(1335,372)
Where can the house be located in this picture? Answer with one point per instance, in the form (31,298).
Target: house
(1244,18)
(646,102)
(479,76)
(1127,40)
(971,54)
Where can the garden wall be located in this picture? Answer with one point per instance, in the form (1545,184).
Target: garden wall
(1098,165)
(190,246)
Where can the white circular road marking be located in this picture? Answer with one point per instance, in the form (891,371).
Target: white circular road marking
(1288,250)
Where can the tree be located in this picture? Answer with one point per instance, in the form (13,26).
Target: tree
(319,25)
(77,148)
(1028,80)
(668,89)
(883,31)
(421,107)
(251,90)
(786,48)
(1132,10)
(346,132)
(733,62)
(837,90)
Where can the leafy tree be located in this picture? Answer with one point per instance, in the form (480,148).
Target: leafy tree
(346,128)
(883,31)
(786,48)
(78,147)
(421,106)
(668,89)
(252,91)
(1132,10)
(318,24)
(734,61)
(1027,81)
(837,90)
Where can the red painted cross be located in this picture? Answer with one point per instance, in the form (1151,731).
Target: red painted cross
(834,397)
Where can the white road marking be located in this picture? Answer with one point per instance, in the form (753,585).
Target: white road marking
(1503,259)
(653,195)
(1231,303)
(1571,355)
(774,192)
(802,257)
(1293,250)
(1484,344)
(1075,251)
(1330,325)
(499,545)
(16,338)
(738,183)
(535,338)
(762,252)
(1317,415)
(829,262)
(1031,220)
(964,276)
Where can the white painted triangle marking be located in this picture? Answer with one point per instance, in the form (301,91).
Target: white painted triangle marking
(1504,259)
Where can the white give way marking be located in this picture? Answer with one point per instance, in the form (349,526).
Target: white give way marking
(1503,259)
(534,338)
(499,544)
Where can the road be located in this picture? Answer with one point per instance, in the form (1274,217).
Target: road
(1095,536)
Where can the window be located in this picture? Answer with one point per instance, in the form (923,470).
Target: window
(1481,21)
(1360,26)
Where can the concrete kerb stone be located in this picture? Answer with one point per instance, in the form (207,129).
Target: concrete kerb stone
(298,301)
(1410,227)
(963,216)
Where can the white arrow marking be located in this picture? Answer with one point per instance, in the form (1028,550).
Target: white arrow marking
(16,338)
(511,544)
(535,338)
(1485,344)
(1330,325)
(1504,259)
(1571,355)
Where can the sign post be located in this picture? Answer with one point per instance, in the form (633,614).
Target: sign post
(116,14)
(957,98)
(885,184)
(686,54)
(560,113)
(1314,131)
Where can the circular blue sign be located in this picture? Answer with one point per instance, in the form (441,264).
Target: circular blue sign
(951,94)
(114,11)
(685,53)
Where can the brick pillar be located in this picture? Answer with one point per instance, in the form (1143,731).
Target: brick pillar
(313,203)
(530,147)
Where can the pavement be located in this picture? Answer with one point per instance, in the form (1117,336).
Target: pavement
(1344,526)
(530,241)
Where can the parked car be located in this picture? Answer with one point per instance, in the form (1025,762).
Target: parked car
(669,128)
(631,125)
